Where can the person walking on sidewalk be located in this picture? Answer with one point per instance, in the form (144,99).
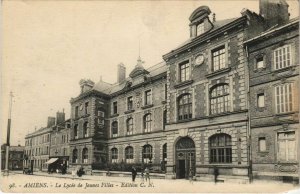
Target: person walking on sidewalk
(133,173)
(147,174)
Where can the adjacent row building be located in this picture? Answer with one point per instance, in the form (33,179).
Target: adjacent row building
(225,99)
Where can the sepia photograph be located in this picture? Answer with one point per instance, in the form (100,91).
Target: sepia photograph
(169,96)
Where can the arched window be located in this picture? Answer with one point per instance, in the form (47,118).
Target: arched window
(220,148)
(76,132)
(185,107)
(147,123)
(114,129)
(219,99)
(129,154)
(147,153)
(86,129)
(85,155)
(129,125)
(114,155)
(75,156)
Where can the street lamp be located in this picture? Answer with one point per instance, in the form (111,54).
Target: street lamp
(6,171)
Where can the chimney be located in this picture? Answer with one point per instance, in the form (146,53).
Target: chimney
(86,85)
(274,12)
(214,17)
(121,73)
(51,121)
(60,117)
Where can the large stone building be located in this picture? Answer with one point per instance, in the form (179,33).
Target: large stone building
(207,123)
(195,113)
(116,123)
(274,92)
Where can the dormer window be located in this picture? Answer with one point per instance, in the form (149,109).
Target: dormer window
(200,28)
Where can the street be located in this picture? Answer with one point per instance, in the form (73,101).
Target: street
(42,182)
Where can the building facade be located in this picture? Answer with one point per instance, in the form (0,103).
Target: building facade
(16,157)
(225,101)
(274,92)
(207,126)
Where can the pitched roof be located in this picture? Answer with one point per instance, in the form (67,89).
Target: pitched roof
(107,88)
(217,24)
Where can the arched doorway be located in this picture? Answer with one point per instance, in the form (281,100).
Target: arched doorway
(185,158)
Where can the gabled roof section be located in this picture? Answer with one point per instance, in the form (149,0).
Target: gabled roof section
(217,25)
(139,69)
(200,13)
(153,71)
(273,30)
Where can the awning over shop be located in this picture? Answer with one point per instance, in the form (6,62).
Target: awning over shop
(51,160)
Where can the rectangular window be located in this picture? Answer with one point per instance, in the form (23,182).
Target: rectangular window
(76,111)
(260,100)
(115,107)
(260,62)
(130,103)
(218,58)
(284,98)
(262,144)
(101,116)
(282,57)
(184,70)
(286,142)
(200,28)
(148,97)
(86,107)
(166,91)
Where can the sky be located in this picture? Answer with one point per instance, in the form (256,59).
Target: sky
(48,46)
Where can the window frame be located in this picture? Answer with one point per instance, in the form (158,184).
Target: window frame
(148,97)
(129,126)
(214,106)
(85,155)
(186,70)
(218,49)
(220,154)
(147,153)
(259,144)
(280,100)
(202,25)
(259,101)
(115,107)
(275,66)
(129,156)
(114,155)
(183,106)
(75,159)
(147,122)
(129,103)
(114,128)
(286,147)
(86,129)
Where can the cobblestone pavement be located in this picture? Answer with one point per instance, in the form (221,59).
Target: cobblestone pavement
(43,182)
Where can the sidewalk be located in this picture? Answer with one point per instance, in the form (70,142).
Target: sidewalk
(84,177)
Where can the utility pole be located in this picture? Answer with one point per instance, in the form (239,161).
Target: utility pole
(6,171)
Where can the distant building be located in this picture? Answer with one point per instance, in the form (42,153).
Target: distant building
(274,97)
(48,146)
(16,157)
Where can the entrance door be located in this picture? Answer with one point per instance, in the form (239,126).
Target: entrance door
(181,169)
(185,158)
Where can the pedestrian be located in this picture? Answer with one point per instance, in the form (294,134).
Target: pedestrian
(142,174)
(216,173)
(147,174)
(191,175)
(133,171)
